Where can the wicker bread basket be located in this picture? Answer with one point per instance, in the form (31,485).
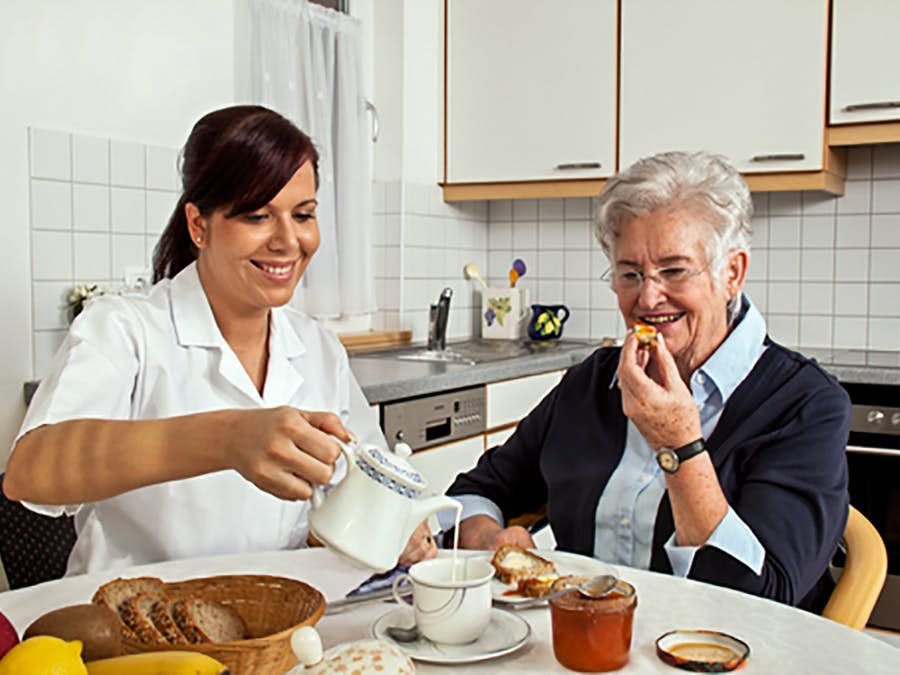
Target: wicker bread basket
(271,607)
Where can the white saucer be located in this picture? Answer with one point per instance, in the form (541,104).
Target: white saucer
(505,633)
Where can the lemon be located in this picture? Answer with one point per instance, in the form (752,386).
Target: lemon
(44,655)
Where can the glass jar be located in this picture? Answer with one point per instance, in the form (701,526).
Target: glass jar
(593,634)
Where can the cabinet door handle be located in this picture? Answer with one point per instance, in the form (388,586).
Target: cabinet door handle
(375,124)
(877,105)
(578,165)
(779,157)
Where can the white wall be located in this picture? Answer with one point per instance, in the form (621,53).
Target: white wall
(125,69)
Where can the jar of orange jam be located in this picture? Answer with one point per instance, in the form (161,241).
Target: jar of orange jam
(593,634)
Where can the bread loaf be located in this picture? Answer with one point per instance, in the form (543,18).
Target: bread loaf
(114,593)
(161,616)
(205,621)
(135,613)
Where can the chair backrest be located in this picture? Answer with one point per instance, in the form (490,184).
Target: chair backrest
(33,547)
(864,573)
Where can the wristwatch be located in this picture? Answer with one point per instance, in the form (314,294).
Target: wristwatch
(670,459)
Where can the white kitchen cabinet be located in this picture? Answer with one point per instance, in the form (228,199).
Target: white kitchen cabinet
(498,437)
(530,90)
(865,53)
(511,400)
(743,79)
(440,464)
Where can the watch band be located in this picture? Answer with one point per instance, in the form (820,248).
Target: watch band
(670,459)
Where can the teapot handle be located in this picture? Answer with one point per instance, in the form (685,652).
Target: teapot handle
(318,491)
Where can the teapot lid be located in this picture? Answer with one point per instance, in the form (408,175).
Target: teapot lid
(391,469)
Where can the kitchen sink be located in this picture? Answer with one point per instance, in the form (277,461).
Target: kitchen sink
(473,352)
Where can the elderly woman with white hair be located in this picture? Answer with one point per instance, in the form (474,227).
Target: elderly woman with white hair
(718,454)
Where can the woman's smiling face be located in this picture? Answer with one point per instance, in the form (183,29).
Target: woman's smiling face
(691,311)
(253,261)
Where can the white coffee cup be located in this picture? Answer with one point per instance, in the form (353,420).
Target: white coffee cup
(450,609)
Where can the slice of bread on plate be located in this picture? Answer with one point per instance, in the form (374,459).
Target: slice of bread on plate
(512,563)
(206,621)
(538,587)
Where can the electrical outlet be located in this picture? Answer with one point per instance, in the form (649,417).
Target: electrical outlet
(137,276)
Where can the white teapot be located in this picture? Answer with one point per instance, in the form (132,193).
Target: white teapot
(370,515)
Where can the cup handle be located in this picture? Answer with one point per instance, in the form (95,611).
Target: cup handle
(318,491)
(565,311)
(394,586)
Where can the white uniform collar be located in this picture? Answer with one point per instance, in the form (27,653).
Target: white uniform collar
(195,326)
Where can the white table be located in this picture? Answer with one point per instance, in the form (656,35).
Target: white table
(781,639)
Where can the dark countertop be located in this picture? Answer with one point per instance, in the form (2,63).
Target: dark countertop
(383,379)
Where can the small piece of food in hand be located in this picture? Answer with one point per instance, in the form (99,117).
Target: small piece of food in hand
(645,334)
(512,563)
(96,627)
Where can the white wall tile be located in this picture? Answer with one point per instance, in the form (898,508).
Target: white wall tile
(162,171)
(50,154)
(816,264)
(857,198)
(46,344)
(51,256)
(160,206)
(817,231)
(758,292)
(850,333)
(578,325)
(525,235)
(551,209)
(784,329)
(885,264)
(50,300)
(51,205)
(150,242)
(784,297)
(580,235)
(377,196)
(815,331)
(785,203)
(886,160)
(577,294)
(551,234)
(524,209)
(126,164)
(500,211)
(760,203)
(816,298)
(577,264)
(851,265)
(886,231)
(392,193)
(819,204)
(884,334)
(884,300)
(886,196)
(127,211)
(92,256)
(852,231)
(549,292)
(859,163)
(784,264)
(578,208)
(760,237)
(128,251)
(550,265)
(851,299)
(90,208)
(759,265)
(90,159)
(784,231)
(500,235)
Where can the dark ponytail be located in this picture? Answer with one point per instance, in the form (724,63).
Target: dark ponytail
(236,159)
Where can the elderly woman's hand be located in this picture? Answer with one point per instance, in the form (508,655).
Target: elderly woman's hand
(421,546)
(661,406)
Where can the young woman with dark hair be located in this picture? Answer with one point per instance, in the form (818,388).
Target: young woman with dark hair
(193,420)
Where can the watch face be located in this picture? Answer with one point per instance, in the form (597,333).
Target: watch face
(667,460)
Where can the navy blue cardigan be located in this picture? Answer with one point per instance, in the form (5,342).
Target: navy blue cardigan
(778,449)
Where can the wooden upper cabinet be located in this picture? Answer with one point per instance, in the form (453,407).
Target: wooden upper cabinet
(865,71)
(530,91)
(743,79)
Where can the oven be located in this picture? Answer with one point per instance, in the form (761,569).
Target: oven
(873,462)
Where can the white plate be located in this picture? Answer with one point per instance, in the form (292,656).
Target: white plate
(505,633)
(566,563)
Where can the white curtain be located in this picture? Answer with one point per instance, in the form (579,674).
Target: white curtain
(306,63)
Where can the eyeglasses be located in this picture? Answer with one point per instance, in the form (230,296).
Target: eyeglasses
(670,278)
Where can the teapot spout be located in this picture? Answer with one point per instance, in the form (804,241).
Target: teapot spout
(423,508)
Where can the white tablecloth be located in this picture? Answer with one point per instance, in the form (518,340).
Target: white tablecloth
(781,639)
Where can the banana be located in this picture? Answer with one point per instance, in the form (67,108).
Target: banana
(158,663)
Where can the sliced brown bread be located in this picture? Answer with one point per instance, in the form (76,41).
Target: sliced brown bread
(205,621)
(117,591)
(135,613)
(161,615)
(512,563)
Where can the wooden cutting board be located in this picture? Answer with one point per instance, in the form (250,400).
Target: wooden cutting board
(355,343)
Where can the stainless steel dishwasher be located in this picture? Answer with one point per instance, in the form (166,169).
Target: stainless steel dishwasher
(432,419)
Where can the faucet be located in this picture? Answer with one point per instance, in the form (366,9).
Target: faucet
(437,322)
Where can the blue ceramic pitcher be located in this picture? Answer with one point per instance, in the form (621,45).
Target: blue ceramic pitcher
(547,321)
